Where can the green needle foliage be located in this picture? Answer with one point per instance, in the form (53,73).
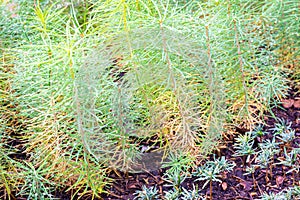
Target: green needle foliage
(92,79)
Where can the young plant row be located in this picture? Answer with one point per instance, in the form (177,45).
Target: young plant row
(259,151)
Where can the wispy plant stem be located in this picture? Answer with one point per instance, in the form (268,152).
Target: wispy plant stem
(210,71)
(210,189)
(241,66)
(174,86)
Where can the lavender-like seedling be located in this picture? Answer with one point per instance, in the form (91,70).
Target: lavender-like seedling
(176,177)
(266,156)
(192,194)
(263,160)
(258,131)
(210,172)
(172,194)
(244,147)
(287,136)
(291,160)
(150,193)
(281,128)
(273,196)
(251,170)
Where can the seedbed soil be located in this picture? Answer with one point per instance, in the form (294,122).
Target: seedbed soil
(235,184)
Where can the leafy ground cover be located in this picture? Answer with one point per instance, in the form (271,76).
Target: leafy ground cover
(149,99)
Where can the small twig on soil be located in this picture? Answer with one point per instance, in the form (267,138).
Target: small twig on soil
(114,195)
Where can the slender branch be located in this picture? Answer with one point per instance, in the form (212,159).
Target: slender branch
(174,86)
(210,71)
(214,119)
(81,131)
(241,67)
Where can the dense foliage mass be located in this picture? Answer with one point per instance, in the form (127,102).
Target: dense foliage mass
(86,84)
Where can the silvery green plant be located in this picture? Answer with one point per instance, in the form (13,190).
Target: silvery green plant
(192,194)
(287,136)
(224,164)
(150,193)
(286,194)
(281,127)
(175,177)
(265,157)
(251,170)
(291,193)
(211,171)
(244,147)
(172,194)
(258,131)
(271,145)
(273,196)
(291,159)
